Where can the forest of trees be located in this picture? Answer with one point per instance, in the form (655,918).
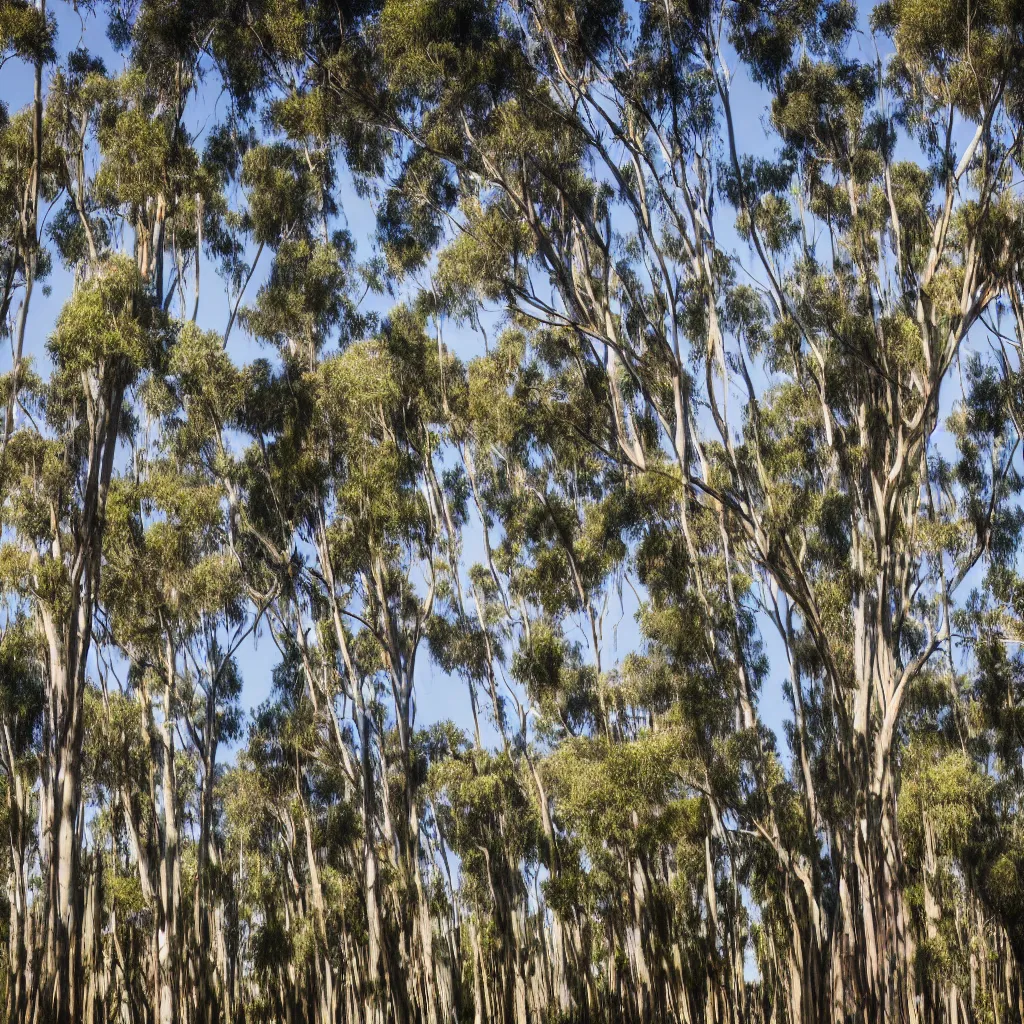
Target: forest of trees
(667,406)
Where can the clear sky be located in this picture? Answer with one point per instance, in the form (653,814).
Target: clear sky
(438,696)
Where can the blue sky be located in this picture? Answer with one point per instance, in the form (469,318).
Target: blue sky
(438,695)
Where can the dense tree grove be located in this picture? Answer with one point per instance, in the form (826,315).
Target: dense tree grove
(671,413)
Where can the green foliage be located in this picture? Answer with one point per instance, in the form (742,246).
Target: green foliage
(106,323)
(728,441)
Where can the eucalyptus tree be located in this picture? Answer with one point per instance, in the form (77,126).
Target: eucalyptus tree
(23,703)
(171,592)
(581,158)
(761,395)
(336,503)
(56,489)
(26,35)
(115,149)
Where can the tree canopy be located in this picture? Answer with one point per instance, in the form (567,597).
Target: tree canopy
(699,323)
